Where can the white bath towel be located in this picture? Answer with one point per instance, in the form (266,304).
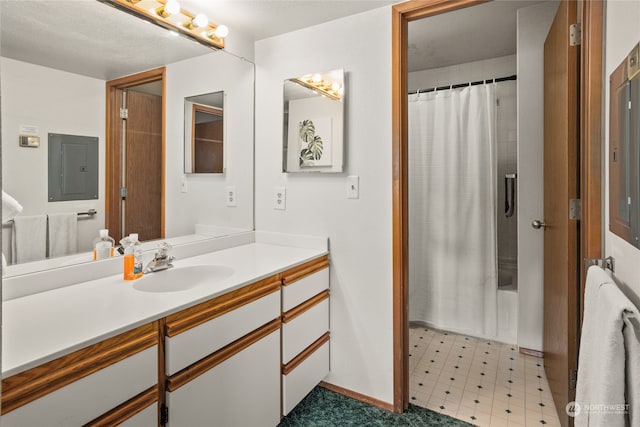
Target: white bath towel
(604,345)
(63,234)
(10,207)
(631,334)
(29,238)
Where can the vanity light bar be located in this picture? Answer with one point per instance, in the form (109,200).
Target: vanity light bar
(160,12)
(315,82)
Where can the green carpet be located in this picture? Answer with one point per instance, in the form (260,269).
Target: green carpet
(324,408)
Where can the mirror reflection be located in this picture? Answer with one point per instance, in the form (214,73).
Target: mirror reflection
(624,149)
(54,70)
(313,122)
(204,133)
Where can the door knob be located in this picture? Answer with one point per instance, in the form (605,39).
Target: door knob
(537,224)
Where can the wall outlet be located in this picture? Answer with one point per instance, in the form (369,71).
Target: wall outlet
(183,184)
(231,196)
(279,198)
(353,187)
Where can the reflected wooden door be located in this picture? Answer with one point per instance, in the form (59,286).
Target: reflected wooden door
(143,169)
(135,174)
(561,183)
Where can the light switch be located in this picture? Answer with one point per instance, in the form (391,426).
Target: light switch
(279,198)
(183,184)
(231,196)
(353,187)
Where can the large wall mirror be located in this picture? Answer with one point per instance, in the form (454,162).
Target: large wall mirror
(624,149)
(53,74)
(313,132)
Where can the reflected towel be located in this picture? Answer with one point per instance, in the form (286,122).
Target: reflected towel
(10,207)
(62,234)
(607,344)
(29,238)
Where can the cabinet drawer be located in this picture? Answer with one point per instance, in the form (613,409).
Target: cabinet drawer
(303,329)
(303,282)
(297,383)
(192,345)
(85,399)
(240,391)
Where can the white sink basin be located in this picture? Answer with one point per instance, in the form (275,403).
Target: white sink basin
(178,279)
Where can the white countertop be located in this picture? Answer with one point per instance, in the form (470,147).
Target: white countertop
(42,327)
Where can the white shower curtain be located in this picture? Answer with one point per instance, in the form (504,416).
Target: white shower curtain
(452,210)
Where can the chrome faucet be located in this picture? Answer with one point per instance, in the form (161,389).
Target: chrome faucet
(161,260)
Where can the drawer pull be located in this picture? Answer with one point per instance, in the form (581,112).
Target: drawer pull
(304,270)
(304,354)
(307,305)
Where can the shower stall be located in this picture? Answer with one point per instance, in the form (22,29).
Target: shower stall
(463,205)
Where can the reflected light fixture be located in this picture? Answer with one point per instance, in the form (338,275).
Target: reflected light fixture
(169,15)
(321,85)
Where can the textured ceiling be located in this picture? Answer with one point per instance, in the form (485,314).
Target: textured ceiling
(91,38)
(98,41)
(471,34)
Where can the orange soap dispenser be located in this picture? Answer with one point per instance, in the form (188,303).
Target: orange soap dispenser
(132,257)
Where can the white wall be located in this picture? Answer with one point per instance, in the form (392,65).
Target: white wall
(359,230)
(533,25)
(622,32)
(461,73)
(56,102)
(205,202)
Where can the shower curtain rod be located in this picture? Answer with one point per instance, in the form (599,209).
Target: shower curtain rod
(459,85)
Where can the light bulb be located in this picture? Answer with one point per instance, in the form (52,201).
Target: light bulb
(317,78)
(200,20)
(335,86)
(221,31)
(172,7)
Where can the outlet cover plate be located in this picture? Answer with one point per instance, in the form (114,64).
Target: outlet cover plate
(279,198)
(231,196)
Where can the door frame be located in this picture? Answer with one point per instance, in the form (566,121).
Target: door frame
(112,159)
(591,146)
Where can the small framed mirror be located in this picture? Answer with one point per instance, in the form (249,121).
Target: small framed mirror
(313,135)
(204,133)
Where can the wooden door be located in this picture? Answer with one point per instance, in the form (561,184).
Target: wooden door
(142,135)
(561,183)
(143,169)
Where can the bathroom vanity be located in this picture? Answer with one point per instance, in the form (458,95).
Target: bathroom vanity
(238,350)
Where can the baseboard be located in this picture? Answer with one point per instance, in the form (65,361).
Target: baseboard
(530,352)
(358,396)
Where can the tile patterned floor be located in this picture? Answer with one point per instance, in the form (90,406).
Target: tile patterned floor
(478,381)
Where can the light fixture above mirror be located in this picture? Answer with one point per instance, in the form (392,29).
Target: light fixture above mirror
(324,84)
(169,14)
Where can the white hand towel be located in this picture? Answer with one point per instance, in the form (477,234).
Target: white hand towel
(63,234)
(10,207)
(601,386)
(29,238)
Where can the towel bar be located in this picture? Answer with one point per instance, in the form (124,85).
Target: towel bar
(605,263)
(89,213)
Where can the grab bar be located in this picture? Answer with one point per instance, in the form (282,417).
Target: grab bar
(509,194)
